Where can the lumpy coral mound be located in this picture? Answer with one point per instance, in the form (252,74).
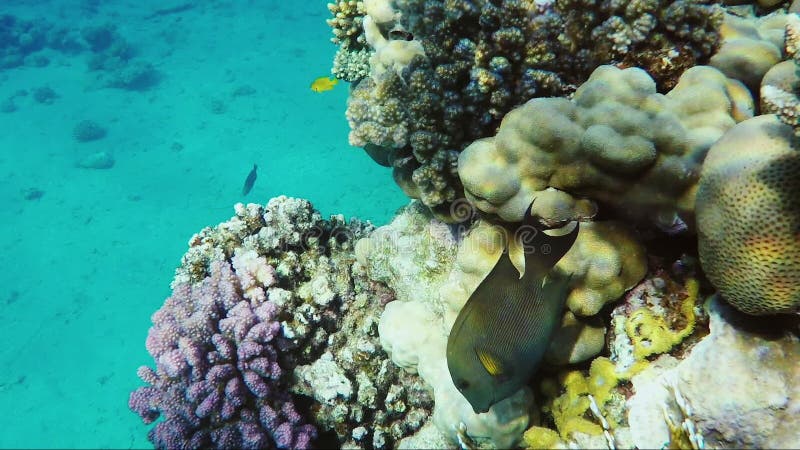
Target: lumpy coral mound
(748,216)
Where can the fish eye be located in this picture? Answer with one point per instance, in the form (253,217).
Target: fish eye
(462,384)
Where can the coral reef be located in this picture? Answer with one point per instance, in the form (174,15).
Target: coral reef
(351,62)
(318,366)
(414,256)
(287,330)
(663,37)
(780,86)
(729,408)
(617,141)
(218,380)
(749,214)
(750,46)
(476,60)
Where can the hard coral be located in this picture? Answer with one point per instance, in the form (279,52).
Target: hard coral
(749,47)
(748,214)
(377,114)
(664,37)
(219,381)
(605,261)
(617,141)
(325,313)
(351,62)
(482,58)
(413,256)
(475,67)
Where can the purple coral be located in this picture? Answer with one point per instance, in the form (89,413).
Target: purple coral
(218,382)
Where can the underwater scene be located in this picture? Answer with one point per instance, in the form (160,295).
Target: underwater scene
(411,224)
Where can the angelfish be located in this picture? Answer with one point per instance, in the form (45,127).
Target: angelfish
(502,332)
(250,181)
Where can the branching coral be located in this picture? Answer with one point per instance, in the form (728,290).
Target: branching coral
(267,317)
(351,62)
(664,37)
(219,382)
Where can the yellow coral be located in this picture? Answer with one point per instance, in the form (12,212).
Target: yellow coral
(651,333)
(541,437)
(570,410)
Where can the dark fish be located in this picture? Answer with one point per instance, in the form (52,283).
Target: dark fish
(400,35)
(501,334)
(250,181)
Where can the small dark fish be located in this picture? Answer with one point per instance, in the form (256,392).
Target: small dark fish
(250,181)
(400,35)
(33,193)
(501,334)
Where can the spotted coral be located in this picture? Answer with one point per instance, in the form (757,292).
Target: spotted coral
(748,216)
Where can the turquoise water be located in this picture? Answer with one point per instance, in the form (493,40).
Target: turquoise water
(87,254)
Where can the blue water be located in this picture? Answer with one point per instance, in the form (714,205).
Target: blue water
(87,254)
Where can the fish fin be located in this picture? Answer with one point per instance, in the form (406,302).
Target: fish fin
(516,253)
(493,365)
(549,249)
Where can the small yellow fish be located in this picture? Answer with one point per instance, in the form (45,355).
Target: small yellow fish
(323,84)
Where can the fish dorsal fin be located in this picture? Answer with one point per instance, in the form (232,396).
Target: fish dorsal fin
(516,253)
(493,365)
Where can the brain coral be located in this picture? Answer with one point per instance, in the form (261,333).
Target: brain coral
(617,141)
(748,216)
